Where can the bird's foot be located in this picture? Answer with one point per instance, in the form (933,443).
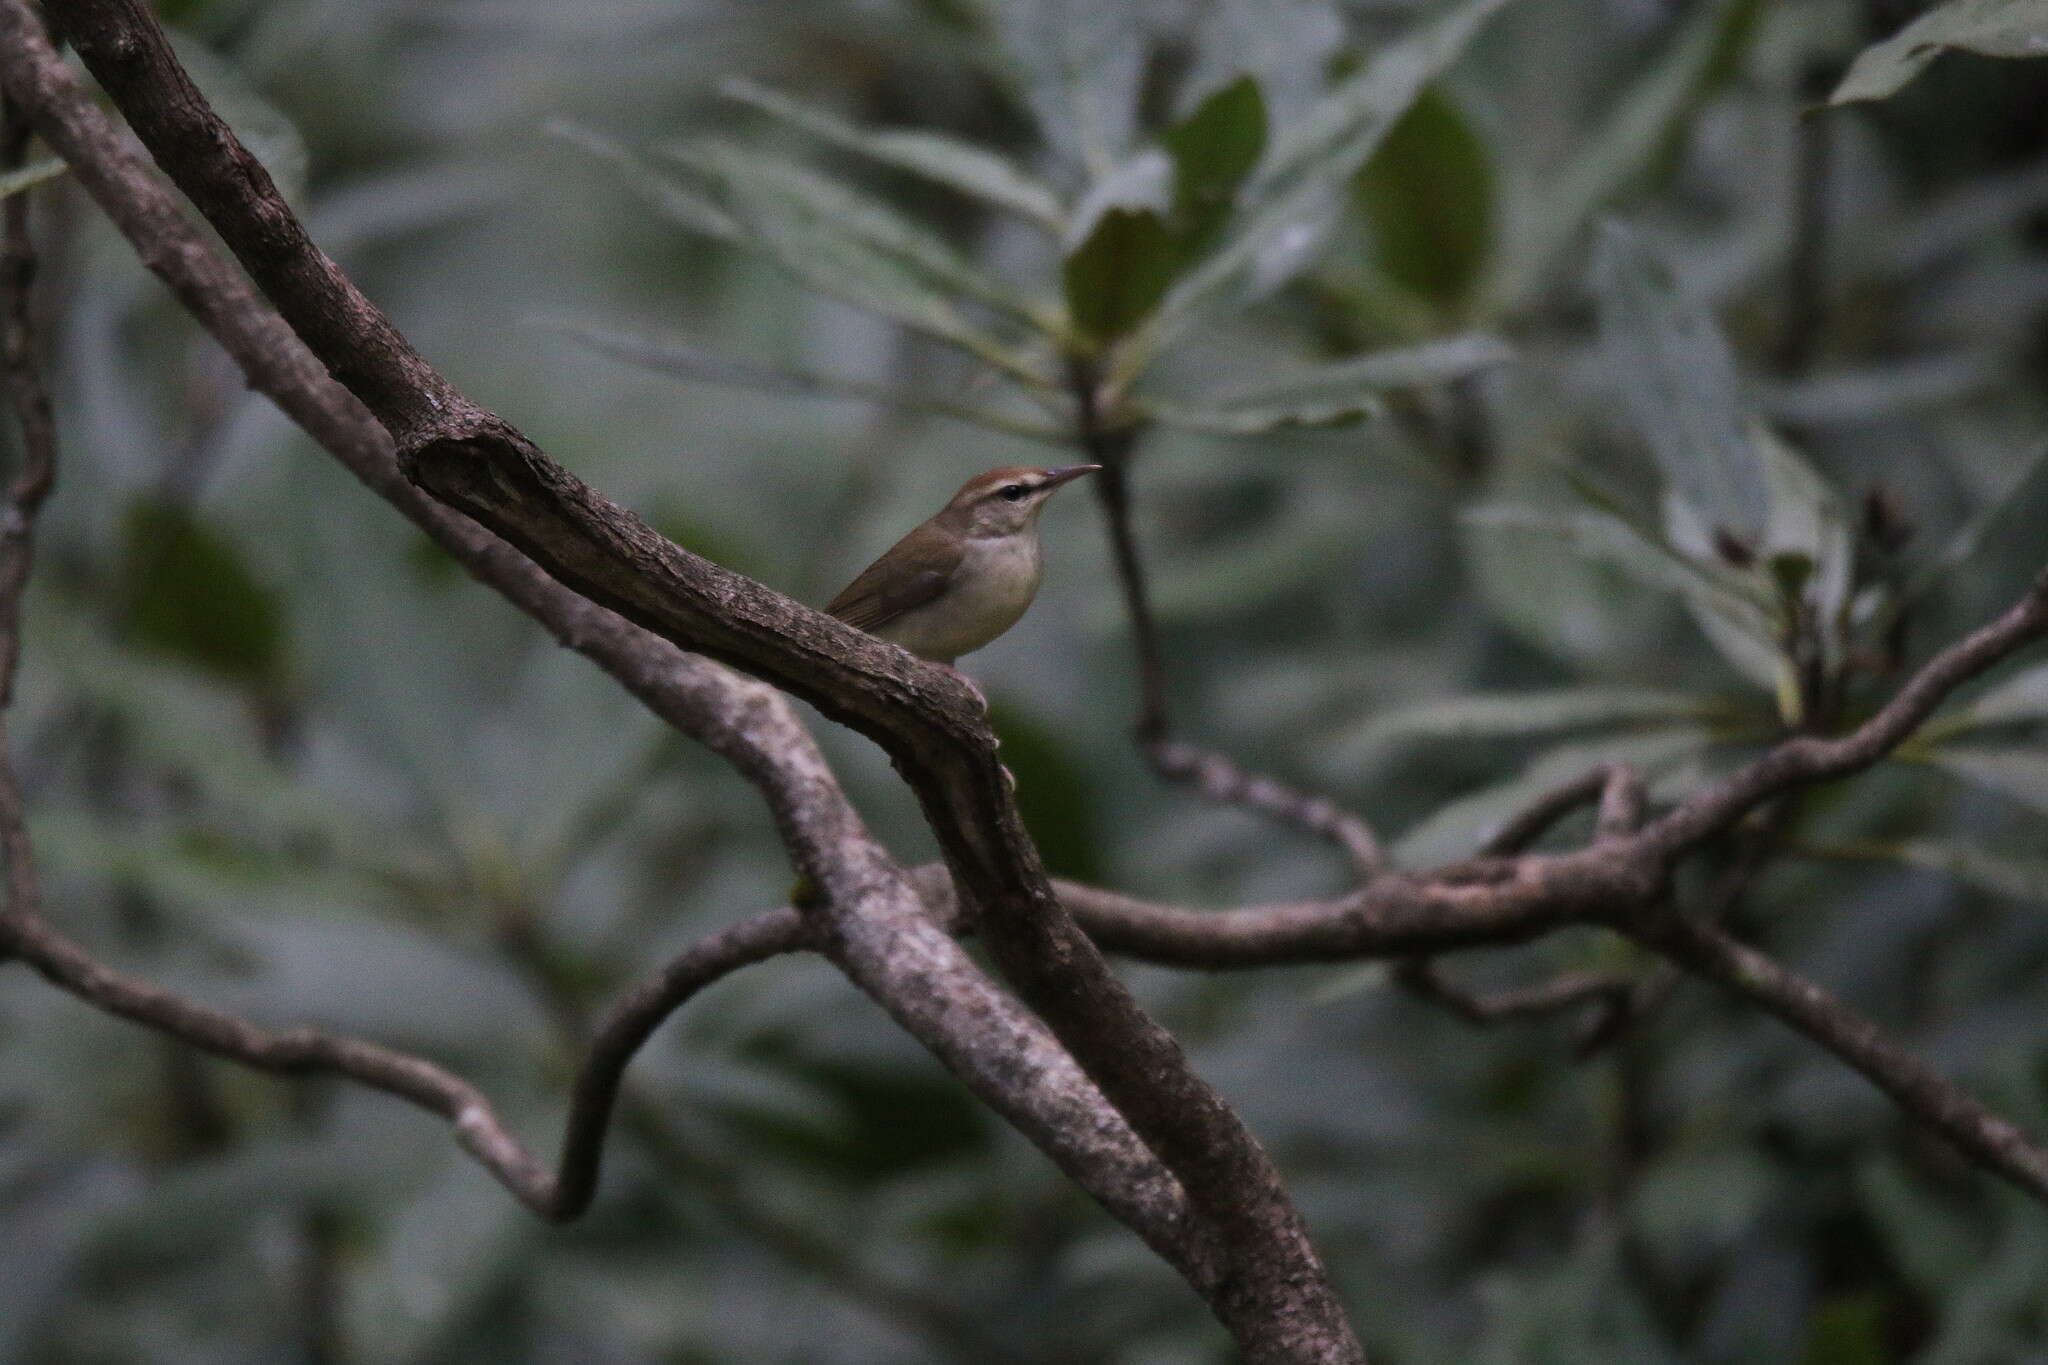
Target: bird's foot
(980,697)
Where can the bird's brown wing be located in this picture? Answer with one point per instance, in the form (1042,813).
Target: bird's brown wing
(884,592)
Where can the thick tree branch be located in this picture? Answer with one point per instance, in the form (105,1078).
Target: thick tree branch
(1276,1296)
(1244,1247)
(1032,1083)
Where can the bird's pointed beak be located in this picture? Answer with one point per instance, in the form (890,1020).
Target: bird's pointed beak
(1055,477)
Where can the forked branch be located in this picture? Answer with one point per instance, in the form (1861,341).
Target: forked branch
(1271,1289)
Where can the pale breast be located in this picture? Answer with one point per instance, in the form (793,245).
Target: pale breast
(995,582)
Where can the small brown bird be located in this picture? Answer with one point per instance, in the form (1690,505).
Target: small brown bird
(964,577)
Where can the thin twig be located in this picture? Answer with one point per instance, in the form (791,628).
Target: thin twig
(1917,1088)
(1213,775)
(1756,841)
(1535,820)
(1425,978)
(478,1126)
(1614,785)
(28,399)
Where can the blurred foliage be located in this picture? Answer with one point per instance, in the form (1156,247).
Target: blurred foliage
(1514,387)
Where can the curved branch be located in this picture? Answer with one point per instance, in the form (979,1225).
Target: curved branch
(478,1127)
(1278,1297)
(1566,991)
(1034,1085)
(1214,776)
(1921,1091)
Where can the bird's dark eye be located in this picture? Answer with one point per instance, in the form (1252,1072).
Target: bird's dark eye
(1011,492)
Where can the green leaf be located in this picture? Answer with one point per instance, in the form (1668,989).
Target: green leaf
(2016,876)
(958,165)
(1677,379)
(1808,532)
(852,247)
(1213,150)
(688,205)
(1521,715)
(1806,518)
(1428,197)
(1603,536)
(1737,609)
(35,173)
(2018,773)
(1994,28)
(1522,574)
(790,206)
(1263,419)
(1641,122)
(1347,125)
(190,595)
(1342,391)
(688,362)
(1932,1243)
(1082,65)
(1848,1329)
(1731,612)
(1307,164)
(1118,275)
(1142,180)
(1965,543)
(2021,698)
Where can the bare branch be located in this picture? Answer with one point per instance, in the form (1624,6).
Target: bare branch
(28,398)
(1918,1089)
(1213,775)
(1567,991)
(1535,820)
(1215,1207)
(1277,1297)
(1624,801)
(1398,915)
(1220,780)
(478,1127)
